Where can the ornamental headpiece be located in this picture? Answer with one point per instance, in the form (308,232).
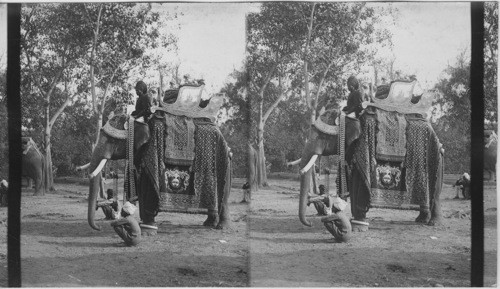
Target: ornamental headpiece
(188,103)
(404,97)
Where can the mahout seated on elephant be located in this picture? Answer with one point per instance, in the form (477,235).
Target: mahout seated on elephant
(143,103)
(378,170)
(355,98)
(189,149)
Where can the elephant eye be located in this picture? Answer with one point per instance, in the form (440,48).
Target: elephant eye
(125,125)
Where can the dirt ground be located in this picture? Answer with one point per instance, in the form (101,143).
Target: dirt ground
(395,251)
(58,248)
(265,247)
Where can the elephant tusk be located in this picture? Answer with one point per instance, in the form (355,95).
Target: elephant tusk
(296,162)
(307,167)
(98,169)
(84,167)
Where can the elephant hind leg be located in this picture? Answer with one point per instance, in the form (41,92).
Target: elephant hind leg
(435,195)
(211,220)
(424,216)
(38,187)
(224,222)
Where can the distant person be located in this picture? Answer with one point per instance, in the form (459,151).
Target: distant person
(246,192)
(354,99)
(463,185)
(127,227)
(4,189)
(110,206)
(112,174)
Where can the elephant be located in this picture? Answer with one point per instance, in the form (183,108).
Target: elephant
(33,165)
(154,177)
(490,153)
(418,172)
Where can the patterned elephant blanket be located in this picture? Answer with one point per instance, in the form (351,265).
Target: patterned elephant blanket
(399,184)
(188,188)
(391,136)
(179,140)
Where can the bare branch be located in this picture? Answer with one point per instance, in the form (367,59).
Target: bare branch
(274,105)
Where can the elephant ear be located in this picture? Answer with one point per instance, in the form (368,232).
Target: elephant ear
(329,114)
(118,122)
(141,134)
(352,130)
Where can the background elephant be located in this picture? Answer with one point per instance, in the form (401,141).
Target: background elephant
(324,138)
(33,165)
(151,175)
(490,153)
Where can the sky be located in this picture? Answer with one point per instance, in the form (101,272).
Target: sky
(427,37)
(211,39)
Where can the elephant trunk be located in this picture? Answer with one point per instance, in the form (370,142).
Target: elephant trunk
(308,159)
(96,165)
(305,183)
(93,191)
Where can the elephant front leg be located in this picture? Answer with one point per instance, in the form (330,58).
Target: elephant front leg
(360,202)
(148,208)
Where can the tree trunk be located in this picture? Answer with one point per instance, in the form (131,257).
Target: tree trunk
(261,158)
(49,178)
(251,174)
(309,100)
(160,90)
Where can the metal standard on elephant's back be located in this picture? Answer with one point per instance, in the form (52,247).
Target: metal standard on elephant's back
(178,160)
(393,158)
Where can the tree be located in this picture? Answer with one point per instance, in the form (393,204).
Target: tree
(452,110)
(236,128)
(53,43)
(71,50)
(491,61)
(303,49)
(121,34)
(337,40)
(274,39)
